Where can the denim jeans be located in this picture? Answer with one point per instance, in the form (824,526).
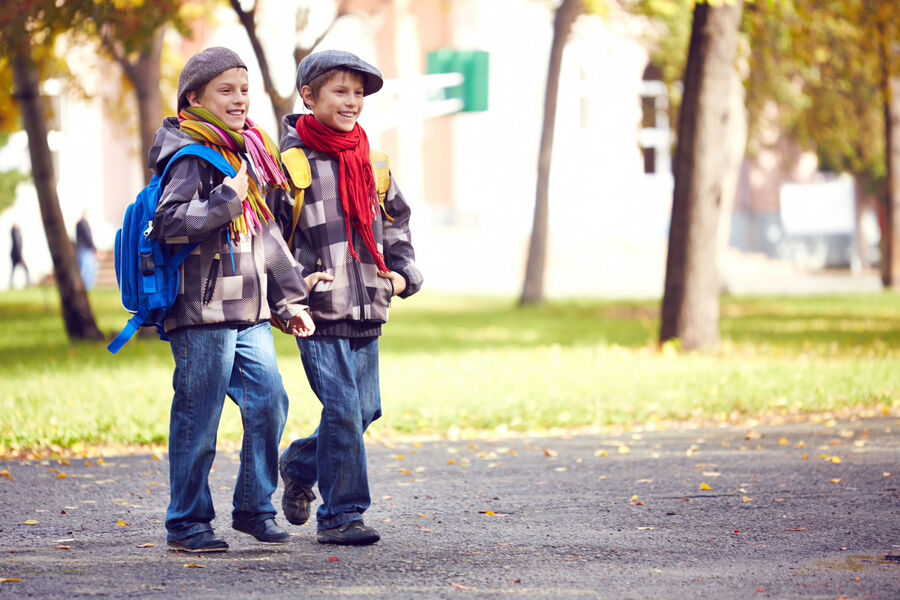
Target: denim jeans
(343,373)
(210,363)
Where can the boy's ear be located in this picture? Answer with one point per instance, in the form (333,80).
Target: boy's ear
(192,98)
(306,93)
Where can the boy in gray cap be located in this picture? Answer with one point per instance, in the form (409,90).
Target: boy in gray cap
(356,255)
(239,275)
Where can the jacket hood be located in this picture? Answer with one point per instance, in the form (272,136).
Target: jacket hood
(289,136)
(169,140)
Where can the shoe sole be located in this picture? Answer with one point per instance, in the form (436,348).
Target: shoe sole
(368,541)
(287,541)
(197,551)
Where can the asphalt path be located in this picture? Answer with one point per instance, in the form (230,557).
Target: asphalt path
(806,510)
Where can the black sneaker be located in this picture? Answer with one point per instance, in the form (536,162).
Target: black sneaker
(296,499)
(266,531)
(354,533)
(205,541)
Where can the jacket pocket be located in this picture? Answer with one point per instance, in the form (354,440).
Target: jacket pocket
(209,286)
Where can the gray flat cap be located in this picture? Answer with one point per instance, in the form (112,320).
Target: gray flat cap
(202,68)
(318,63)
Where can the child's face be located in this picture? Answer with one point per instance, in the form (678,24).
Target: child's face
(339,102)
(226,96)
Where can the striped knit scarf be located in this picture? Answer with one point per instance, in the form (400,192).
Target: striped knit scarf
(205,127)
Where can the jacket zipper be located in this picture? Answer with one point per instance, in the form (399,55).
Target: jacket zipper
(360,290)
(258,278)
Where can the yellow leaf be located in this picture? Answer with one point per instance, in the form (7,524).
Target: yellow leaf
(800,444)
(101,462)
(705,487)
(64,462)
(121,523)
(550,453)
(193,566)
(10,580)
(746,499)
(88,463)
(147,545)
(824,457)
(601,453)
(836,460)
(806,457)
(405,472)
(624,449)
(783,442)
(451,462)
(489,513)
(30,522)
(7,474)
(635,498)
(399,457)
(61,476)
(836,480)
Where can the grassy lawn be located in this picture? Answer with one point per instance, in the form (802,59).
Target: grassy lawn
(454,366)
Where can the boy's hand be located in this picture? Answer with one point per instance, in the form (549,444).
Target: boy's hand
(313,278)
(398,280)
(302,325)
(239,182)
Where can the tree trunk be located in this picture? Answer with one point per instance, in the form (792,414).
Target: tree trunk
(76,309)
(690,308)
(890,258)
(533,286)
(145,76)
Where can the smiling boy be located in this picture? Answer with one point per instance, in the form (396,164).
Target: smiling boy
(239,275)
(356,256)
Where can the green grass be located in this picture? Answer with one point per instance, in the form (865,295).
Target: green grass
(463,366)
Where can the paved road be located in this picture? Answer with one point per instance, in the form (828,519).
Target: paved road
(787,511)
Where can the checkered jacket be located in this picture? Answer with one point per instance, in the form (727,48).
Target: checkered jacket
(196,207)
(357,298)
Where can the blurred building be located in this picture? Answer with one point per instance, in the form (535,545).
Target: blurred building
(464,153)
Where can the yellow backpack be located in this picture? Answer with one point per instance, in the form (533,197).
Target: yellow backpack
(301,177)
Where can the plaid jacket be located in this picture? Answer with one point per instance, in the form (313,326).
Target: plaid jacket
(358,300)
(195,206)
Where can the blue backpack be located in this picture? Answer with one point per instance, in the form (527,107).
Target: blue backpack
(148,274)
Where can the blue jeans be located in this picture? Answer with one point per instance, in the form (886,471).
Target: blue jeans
(343,373)
(210,363)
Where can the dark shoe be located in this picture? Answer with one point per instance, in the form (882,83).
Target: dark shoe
(266,531)
(296,499)
(354,533)
(204,541)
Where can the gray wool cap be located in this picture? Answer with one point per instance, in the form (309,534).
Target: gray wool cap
(203,67)
(318,63)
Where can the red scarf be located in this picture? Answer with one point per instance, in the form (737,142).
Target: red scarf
(356,187)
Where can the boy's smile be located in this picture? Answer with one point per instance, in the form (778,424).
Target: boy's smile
(339,102)
(226,96)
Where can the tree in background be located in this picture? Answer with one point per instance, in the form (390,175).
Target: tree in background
(830,67)
(25,33)
(533,286)
(690,308)
(282,104)
(131,33)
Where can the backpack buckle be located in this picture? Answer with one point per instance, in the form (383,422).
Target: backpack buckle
(148,229)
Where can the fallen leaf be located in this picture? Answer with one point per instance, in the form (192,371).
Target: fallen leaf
(462,587)
(836,460)
(705,487)
(601,453)
(30,522)
(645,528)
(62,547)
(797,529)
(62,476)
(147,545)
(783,442)
(121,523)
(333,559)
(623,449)
(836,480)
(746,499)
(10,580)
(193,566)
(5,473)
(489,513)
(550,453)
(451,462)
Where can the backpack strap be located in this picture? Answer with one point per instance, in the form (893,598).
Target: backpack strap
(204,152)
(381,166)
(297,166)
